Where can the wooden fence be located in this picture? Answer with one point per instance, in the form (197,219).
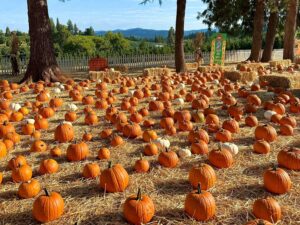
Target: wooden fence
(80,63)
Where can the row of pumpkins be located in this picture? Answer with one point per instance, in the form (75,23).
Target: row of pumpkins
(199,204)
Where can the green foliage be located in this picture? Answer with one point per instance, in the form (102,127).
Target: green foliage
(171,36)
(79,45)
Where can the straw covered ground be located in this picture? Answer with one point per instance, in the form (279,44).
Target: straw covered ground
(85,203)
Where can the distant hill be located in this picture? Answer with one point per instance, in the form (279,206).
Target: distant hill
(147,33)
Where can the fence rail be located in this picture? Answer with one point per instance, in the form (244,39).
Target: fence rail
(80,63)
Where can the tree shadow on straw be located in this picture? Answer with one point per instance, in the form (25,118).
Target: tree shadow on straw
(17,218)
(84,191)
(8,195)
(71,177)
(248,141)
(164,216)
(114,218)
(245,192)
(257,170)
(173,187)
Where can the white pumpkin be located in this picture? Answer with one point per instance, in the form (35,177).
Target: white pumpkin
(233,148)
(162,143)
(15,106)
(181,86)
(48,94)
(62,87)
(178,101)
(268,114)
(57,84)
(184,153)
(99,81)
(153,98)
(67,122)
(72,107)
(131,92)
(29,121)
(216,82)
(56,90)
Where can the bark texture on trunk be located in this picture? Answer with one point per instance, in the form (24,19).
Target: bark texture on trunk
(179,39)
(42,63)
(258,24)
(290,30)
(271,34)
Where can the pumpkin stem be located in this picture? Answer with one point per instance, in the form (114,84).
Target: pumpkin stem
(141,156)
(199,188)
(275,167)
(109,164)
(166,149)
(46,192)
(139,195)
(261,222)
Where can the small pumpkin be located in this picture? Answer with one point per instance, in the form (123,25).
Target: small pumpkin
(77,151)
(114,179)
(138,209)
(151,149)
(267,209)
(289,158)
(261,147)
(64,133)
(142,165)
(48,207)
(38,146)
(220,158)
(16,161)
(48,166)
(103,153)
(203,174)
(200,205)
(91,170)
(29,189)
(265,132)
(168,159)
(22,173)
(277,181)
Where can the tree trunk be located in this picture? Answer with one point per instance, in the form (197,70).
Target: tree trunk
(42,63)
(271,34)
(179,39)
(258,24)
(290,30)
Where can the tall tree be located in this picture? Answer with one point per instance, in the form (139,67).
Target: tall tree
(7,32)
(42,63)
(290,29)
(258,25)
(179,36)
(271,31)
(76,30)
(171,36)
(14,54)
(70,26)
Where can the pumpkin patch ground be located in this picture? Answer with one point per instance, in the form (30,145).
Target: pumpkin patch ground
(176,139)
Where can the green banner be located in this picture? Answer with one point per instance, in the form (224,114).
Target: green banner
(218,49)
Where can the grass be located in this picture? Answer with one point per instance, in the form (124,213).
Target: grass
(85,203)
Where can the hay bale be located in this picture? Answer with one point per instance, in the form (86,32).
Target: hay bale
(284,62)
(253,66)
(284,80)
(191,66)
(156,71)
(243,77)
(96,75)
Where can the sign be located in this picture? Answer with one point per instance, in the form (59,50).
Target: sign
(218,49)
(98,64)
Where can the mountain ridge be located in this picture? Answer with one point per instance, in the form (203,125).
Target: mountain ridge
(147,33)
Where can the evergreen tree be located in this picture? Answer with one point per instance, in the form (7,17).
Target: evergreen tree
(171,36)
(7,32)
(70,26)
(76,30)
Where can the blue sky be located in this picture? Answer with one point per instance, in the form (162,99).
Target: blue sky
(104,14)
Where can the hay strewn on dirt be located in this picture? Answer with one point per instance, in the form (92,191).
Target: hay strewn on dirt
(85,203)
(204,69)
(156,71)
(243,77)
(284,80)
(284,62)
